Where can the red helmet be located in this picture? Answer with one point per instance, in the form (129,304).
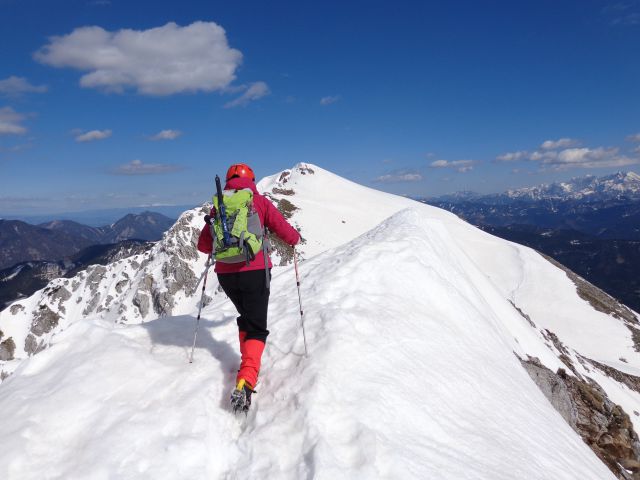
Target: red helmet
(241,170)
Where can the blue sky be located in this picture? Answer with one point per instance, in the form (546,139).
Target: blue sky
(112,103)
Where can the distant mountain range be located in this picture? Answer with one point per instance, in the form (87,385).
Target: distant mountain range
(97,218)
(619,186)
(590,224)
(606,207)
(55,240)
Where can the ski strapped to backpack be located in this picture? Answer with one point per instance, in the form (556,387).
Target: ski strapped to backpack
(237,228)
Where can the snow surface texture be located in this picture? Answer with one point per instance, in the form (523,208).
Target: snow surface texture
(411,370)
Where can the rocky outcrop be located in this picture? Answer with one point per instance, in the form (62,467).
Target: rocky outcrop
(7,349)
(141,301)
(32,345)
(602,424)
(44,320)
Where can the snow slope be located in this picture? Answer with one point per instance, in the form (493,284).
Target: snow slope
(412,332)
(409,376)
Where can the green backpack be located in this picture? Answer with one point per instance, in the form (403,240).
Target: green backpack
(243,224)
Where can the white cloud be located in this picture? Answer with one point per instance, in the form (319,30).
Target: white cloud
(18,85)
(561,143)
(328,100)
(399,177)
(158,61)
(461,166)
(543,156)
(166,135)
(93,135)
(588,158)
(11,122)
(513,156)
(254,92)
(563,154)
(138,167)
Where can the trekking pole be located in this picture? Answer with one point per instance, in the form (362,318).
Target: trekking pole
(295,263)
(207,219)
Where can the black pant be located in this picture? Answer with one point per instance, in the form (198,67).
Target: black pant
(248,292)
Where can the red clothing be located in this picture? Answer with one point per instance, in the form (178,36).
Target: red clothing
(269,217)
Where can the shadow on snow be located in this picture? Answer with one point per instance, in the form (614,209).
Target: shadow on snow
(178,332)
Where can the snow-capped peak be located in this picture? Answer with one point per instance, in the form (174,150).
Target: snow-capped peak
(586,187)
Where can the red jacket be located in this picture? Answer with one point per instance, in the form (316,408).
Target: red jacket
(269,217)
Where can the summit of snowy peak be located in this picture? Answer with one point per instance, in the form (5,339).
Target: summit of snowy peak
(328,209)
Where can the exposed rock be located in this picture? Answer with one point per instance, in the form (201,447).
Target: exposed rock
(282,249)
(16,308)
(564,353)
(162,302)
(553,388)
(602,424)
(32,345)
(182,275)
(524,315)
(284,177)
(629,380)
(285,207)
(91,306)
(60,294)
(4,375)
(120,285)
(96,274)
(44,320)
(141,300)
(635,336)
(304,170)
(181,239)
(7,349)
(283,191)
(147,283)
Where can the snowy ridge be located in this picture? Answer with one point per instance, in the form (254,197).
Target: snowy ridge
(412,322)
(314,417)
